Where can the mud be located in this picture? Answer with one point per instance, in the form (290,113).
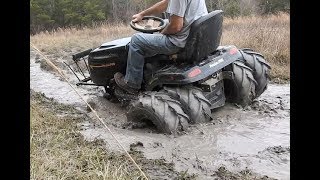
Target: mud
(254,141)
(154,168)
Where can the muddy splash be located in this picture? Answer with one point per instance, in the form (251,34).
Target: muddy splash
(256,138)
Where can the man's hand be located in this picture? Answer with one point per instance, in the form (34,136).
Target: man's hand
(137,17)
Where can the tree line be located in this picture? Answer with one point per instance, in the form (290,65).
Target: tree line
(51,14)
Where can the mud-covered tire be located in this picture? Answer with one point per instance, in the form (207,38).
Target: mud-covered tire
(260,69)
(193,102)
(162,110)
(240,90)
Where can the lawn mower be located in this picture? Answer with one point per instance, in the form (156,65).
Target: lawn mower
(183,88)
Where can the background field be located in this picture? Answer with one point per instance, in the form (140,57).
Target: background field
(268,35)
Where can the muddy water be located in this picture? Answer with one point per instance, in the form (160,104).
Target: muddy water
(256,138)
(53,86)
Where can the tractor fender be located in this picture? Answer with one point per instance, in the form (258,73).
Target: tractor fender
(187,74)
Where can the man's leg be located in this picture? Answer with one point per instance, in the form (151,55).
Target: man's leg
(141,46)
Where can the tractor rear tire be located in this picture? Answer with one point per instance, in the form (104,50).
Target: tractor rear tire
(159,108)
(194,103)
(240,90)
(260,69)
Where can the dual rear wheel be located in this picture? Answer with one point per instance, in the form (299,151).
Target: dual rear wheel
(251,77)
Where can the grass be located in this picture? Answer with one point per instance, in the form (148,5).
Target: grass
(64,41)
(269,35)
(58,150)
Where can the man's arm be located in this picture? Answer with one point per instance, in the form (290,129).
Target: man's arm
(157,8)
(175,25)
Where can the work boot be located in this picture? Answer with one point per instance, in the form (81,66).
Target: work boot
(119,78)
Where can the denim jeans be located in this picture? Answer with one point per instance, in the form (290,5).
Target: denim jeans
(145,45)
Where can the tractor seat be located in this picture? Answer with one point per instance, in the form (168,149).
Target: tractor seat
(204,38)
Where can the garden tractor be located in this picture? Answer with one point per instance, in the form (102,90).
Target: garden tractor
(182,88)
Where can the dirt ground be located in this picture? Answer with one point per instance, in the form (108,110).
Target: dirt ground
(238,144)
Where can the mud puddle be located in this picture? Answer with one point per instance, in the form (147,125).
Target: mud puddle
(53,86)
(256,138)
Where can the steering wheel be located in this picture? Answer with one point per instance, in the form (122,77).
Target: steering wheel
(149,24)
